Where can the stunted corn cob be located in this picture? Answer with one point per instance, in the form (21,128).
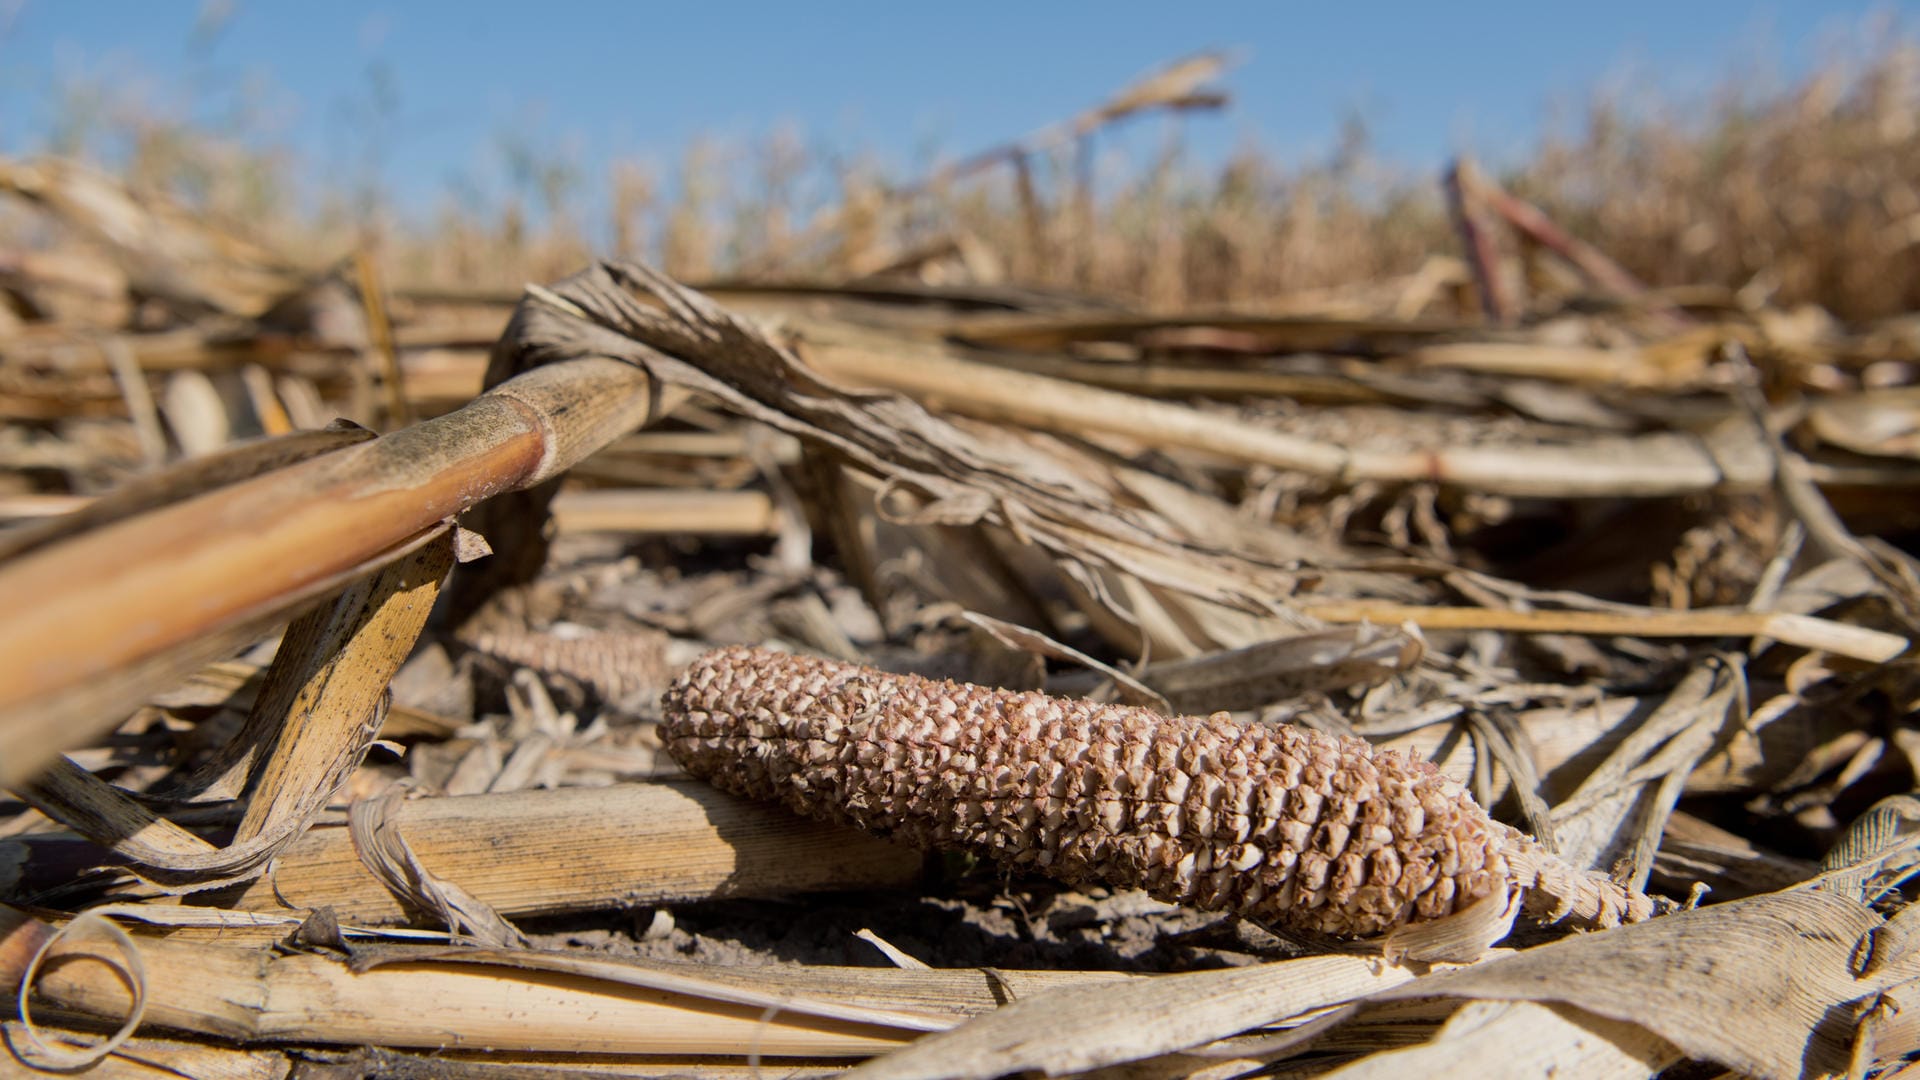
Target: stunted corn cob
(1285,825)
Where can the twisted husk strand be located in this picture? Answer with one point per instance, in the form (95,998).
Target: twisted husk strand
(1292,827)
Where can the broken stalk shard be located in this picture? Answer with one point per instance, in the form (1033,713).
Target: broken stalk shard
(1284,825)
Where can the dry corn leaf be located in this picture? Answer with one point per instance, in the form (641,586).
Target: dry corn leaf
(1889,1033)
(1693,850)
(374,828)
(953,476)
(321,706)
(197,412)
(1077,1029)
(1884,423)
(1130,689)
(1494,1040)
(1620,810)
(1284,668)
(103,939)
(231,926)
(1763,985)
(1879,851)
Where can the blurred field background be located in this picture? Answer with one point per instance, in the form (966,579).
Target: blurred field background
(1796,186)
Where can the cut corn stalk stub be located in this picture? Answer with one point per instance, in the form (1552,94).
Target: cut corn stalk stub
(1288,826)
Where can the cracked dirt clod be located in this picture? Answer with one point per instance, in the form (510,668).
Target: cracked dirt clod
(1288,826)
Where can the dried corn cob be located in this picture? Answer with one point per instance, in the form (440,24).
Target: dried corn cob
(1285,825)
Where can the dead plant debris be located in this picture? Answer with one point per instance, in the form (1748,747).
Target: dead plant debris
(1515,584)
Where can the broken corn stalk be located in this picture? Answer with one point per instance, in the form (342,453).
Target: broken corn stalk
(1290,827)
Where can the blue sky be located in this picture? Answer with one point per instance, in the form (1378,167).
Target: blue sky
(900,80)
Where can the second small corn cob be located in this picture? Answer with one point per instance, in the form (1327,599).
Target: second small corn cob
(1285,825)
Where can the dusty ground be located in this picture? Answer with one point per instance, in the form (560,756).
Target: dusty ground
(966,923)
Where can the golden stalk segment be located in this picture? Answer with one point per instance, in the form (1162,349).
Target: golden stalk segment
(540,852)
(1648,466)
(617,510)
(195,476)
(581,849)
(496,999)
(132,592)
(1808,631)
(245,995)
